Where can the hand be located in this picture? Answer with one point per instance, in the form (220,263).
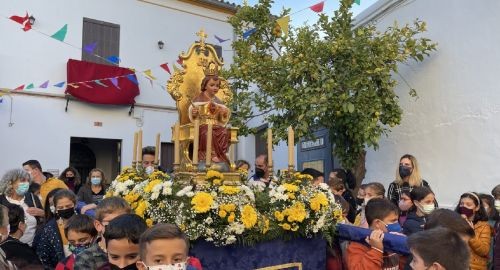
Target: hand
(376,239)
(87,207)
(195,111)
(468,221)
(36,212)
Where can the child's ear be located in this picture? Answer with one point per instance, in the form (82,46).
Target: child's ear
(98,226)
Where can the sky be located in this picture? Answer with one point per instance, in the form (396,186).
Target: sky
(308,16)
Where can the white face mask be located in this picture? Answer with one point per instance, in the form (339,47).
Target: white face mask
(497,204)
(175,266)
(426,208)
(150,169)
(53,209)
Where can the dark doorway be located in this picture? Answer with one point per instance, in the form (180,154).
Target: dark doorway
(89,153)
(167,157)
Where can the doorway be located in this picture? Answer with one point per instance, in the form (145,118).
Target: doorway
(89,153)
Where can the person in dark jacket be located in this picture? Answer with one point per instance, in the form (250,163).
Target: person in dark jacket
(93,191)
(407,178)
(423,204)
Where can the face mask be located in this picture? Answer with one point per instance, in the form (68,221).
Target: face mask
(70,178)
(497,204)
(95,181)
(66,213)
(150,169)
(175,266)
(128,267)
(393,227)
(77,249)
(466,211)
(22,188)
(403,205)
(366,200)
(404,171)
(259,173)
(359,201)
(426,208)
(52,209)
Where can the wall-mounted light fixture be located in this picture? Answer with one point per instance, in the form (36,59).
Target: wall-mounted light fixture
(32,19)
(160,45)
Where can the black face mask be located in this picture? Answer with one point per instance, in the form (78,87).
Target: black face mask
(359,201)
(70,179)
(404,171)
(128,267)
(66,213)
(259,173)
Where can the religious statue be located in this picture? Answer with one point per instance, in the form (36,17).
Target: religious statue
(212,113)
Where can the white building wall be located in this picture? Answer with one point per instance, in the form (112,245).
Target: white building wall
(42,129)
(453,127)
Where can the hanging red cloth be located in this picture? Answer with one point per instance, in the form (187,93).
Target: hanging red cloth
(82,83)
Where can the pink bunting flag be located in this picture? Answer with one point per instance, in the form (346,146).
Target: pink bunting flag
(166,68)
(86,85)
(21,87)
(318,7)
(179,61)
(115,82)
(19,19)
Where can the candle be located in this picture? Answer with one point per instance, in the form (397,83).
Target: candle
(291,152)
(208,158)
(139,146)
(157,149)
(176,144)
(134,156)
(269,147)
(196,140)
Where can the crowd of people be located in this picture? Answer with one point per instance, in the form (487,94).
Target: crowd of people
(66,223)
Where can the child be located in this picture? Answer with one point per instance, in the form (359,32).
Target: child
(81,234)
(404,205)
(122,241)
(382,217)
(107,210)
(423,204)
(451,220)
(431,249)
(164,246)
(372,190)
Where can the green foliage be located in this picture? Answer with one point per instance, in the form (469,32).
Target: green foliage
(326,75)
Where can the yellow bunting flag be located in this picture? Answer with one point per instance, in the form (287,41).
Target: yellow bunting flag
(149,74)
(283,23)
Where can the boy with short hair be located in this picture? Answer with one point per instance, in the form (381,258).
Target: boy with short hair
(438,249)
(122,241)
(163,246)
(81,234)
(382,216)
(107,210)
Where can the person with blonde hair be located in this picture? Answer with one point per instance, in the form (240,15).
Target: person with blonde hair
(407,178)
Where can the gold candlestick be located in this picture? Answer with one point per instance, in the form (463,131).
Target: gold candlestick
(157,150)
(208,158)
(139,147)
(196,142)
(176,144)
(134,156)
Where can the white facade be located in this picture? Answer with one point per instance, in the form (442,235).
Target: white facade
(42,129)
(453,127)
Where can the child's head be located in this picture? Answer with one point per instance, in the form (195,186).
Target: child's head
(495,192)
(16,219)
(471,207)
(80,232)
(122,239)
(433,248)
(374,190)
(451,220)
(64,203)
(34,188)
(108,209)
(489,206)
(423,200)
(405,202)
(343,203)
(162,245)
(336,185)
(360,196)
(382,214)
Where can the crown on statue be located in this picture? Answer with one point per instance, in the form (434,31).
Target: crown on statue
(211,69)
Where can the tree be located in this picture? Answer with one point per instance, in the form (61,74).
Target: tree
(329,75)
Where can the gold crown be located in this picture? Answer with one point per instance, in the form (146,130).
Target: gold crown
(211,69)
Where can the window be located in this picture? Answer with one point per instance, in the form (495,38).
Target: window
(105,35)
(261,141)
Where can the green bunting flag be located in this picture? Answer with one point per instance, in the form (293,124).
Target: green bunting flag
(61,34)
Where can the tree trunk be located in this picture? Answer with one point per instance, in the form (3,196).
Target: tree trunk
(359,170)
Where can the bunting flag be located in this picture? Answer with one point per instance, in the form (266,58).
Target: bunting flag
(100,83)
(30,86)
(26,26)
(61,84)
(179,61)
(44,85)
(89,48)
(20,87)
(176,69)
(149,74)
(357,2)
(132,78)
(283,23)
(115,82)
(19,19)
(1,98)
(61,34)
(86,84)
(318,7)
(249,33)
(74,85)
(113,59)
(165,67)
(221,40)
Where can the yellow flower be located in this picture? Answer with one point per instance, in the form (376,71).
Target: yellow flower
(151,185)
(230,190)
(291,196)
(265,226)
(318,200)
(202,202)
(141,208)
(149,222)
(231,217)
(222,213)
(131,197)
(286,226)
(212,175)
(230,207)
(217,182)
(291,187)
(295,228)
(297,212)
(278,215)
(109,194)
(182,227)
(248,216)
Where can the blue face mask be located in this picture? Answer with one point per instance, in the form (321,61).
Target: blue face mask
(22,188)
(77,249)
(95,181)
(393,227)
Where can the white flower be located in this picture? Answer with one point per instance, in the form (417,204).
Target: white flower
(183,191)
(209,239)
(248,192)
(236,227)
(324,186)
(208,220)
(167,190)
(231,239)
(190,194)
(155,195)
(168,183)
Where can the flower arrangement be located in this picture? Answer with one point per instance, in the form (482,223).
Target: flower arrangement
(224,214)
